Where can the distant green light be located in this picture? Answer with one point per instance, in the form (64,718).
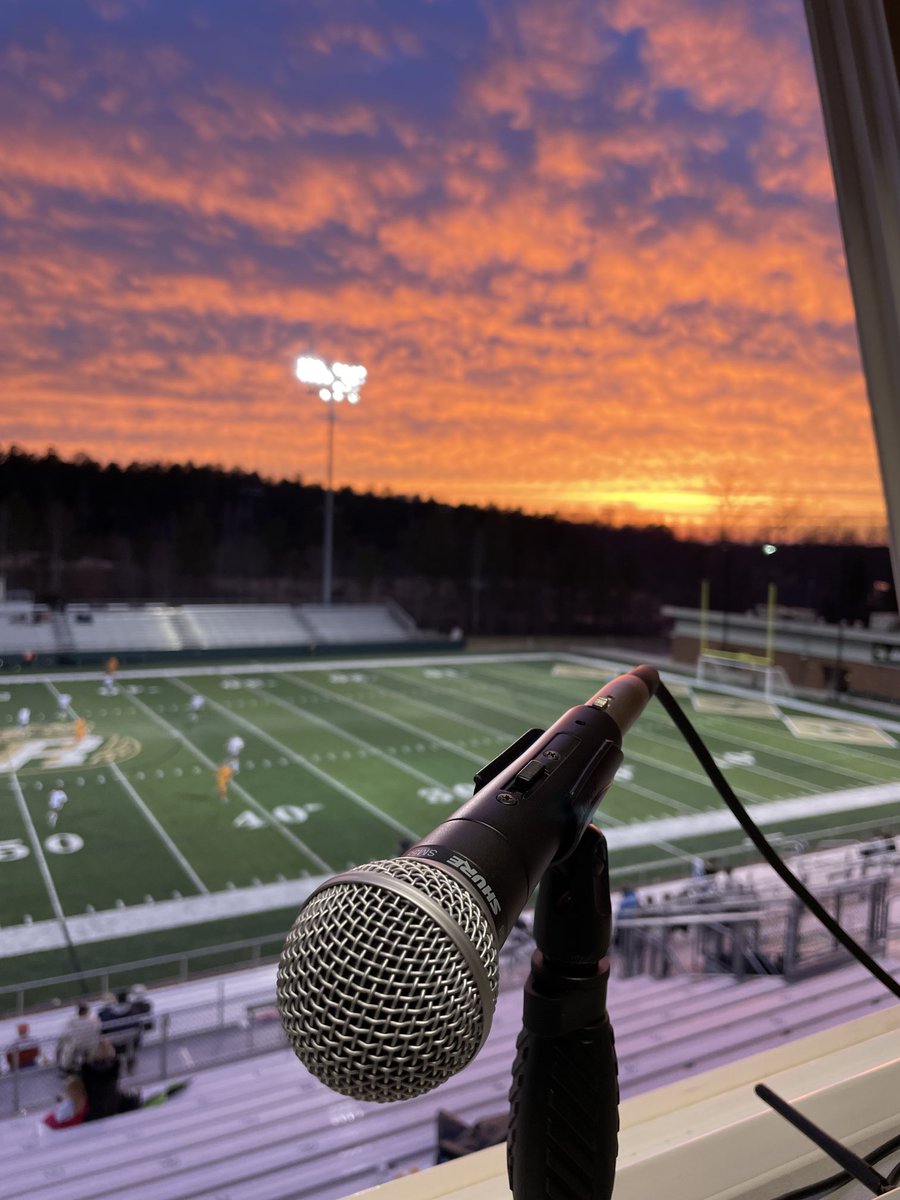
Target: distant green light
(768,548)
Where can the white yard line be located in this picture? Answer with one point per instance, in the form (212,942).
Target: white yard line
(398,721)
(515,716)
(353,662)
(307,765)
(669,671)
(192,909)
(241,791)
(151,819)
(173,849)
(650,794)
(781,731)
(394,693)
(352,737)
(644,734)
(55,692)
(630,754)
(684,773)
(693,776)
(679,672)
(38,853)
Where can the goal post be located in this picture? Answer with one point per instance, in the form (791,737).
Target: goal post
(748,672)
(741,668)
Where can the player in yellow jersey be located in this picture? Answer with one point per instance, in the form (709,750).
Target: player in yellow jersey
(223,778)
(80,728)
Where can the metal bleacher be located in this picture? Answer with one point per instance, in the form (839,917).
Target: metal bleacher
(262,1128)
(363,623)
(26,629)
(231,625)
(95,630)
(104,629)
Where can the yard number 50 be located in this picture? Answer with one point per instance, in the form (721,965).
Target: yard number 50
(57,843)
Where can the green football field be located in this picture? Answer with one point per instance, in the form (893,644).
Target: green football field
(340,762)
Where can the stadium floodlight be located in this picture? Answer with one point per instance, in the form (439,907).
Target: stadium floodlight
(340,381)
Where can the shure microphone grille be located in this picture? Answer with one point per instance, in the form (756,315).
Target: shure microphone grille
(385,991)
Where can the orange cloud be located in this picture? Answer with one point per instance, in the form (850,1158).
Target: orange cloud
(572,293)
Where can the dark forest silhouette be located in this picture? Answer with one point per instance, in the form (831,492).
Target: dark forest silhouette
(76,530)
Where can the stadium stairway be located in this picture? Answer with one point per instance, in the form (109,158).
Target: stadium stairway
(263,1129)
(186,629)
(62,631)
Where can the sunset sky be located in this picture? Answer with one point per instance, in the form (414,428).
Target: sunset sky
(587,249)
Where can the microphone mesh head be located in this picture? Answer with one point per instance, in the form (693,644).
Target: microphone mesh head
(377,998)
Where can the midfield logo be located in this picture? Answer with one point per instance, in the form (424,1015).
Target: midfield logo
(54,748)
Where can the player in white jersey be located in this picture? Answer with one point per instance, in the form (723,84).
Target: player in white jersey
(56,801)
(64,701)
(23,716)
(235,746)
(196,704)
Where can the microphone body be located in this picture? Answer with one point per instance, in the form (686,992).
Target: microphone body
(388,979)
(532,811)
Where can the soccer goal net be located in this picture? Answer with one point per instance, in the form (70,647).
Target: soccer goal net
(739,672)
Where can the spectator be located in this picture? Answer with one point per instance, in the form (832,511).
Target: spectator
(24,1052)
(141,1007)
(725,880)
(119,1023)
(71,1106)
(100,1075)
(79,1038)
(629,906)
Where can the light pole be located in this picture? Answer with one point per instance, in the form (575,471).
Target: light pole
(335,383)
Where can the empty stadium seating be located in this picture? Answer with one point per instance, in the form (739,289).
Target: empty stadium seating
(26,628)
(361,623)
(246,625)
(97,630)
(104,629)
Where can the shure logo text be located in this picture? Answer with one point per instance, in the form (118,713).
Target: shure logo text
(471,872)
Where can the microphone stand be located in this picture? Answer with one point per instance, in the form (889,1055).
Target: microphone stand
(564,1114)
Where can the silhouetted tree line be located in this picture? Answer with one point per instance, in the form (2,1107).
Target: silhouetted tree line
(76,530)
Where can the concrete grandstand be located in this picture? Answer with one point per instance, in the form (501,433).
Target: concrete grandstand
(85,633)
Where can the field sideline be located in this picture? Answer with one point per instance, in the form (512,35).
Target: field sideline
(342,760)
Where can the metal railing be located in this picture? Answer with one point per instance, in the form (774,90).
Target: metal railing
(745,933)
(19,998)
(152,1047)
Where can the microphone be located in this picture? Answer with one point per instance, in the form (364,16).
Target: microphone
(388,980)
